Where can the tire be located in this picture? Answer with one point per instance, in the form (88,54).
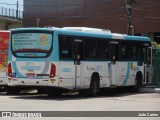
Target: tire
(94,87)
(3,89)
(83,93)
(137,85)
(54,94)
(12,91)
(41,91)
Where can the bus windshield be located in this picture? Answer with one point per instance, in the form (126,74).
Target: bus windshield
(32,44)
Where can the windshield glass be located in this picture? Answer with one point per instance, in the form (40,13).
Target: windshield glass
(31,44)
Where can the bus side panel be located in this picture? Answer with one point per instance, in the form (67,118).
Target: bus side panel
(102,68)
(124,73)
(54,58)
(67,74)
(127,71)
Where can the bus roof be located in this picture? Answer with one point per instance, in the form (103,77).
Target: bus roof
(89,33)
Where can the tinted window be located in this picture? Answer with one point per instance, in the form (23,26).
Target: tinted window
(32,44)
(65,47)
(91,49)
(132,51)
(103,50)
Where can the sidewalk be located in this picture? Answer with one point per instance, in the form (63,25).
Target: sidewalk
(150,89)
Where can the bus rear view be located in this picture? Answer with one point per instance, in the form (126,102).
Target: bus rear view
(30,59)
(59,60)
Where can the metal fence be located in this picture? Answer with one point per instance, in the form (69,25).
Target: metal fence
(156,67)
(11,13)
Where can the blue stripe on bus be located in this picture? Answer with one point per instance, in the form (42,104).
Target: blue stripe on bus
(85,34)
(84,61)
(101,35)
(127,74)
(138,38)
(18,74)
(33,28)
(30,59)
(55,52)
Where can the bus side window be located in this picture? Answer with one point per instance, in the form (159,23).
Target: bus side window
(115,55)
(65,47)
(127,52)
(134,53)
(123,53)
(140,54)
(90,49)
(103,50)
(78,49)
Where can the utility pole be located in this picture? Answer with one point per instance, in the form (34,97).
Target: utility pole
(17,10)
(128,6)
(38,22)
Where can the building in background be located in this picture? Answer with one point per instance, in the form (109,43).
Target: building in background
(105,14)
(9,17)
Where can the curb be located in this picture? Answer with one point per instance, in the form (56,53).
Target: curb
(150,90)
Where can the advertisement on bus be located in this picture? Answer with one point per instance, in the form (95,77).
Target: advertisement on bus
(4,38)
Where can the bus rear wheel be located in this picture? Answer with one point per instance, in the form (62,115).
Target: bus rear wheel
(138,83)
(12,90)
(41,91)
(94,87)
(54,93)
(137,86)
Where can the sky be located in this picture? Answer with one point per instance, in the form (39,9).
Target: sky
(11,4)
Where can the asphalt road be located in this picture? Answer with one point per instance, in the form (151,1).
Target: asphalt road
(110,101)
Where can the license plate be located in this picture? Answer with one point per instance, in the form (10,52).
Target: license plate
(30,74)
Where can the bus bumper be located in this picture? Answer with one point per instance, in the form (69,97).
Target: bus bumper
(3,82)
(32,82)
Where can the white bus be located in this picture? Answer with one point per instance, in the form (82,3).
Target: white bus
(58,59)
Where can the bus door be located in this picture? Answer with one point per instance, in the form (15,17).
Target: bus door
(78,57)
(113,65)
(148,66)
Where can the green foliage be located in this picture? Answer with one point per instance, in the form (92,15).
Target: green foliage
(155,45)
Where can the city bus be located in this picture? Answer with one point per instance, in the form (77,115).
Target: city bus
(4,38)
(62,59)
